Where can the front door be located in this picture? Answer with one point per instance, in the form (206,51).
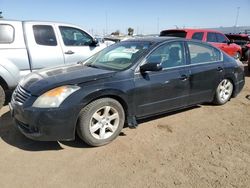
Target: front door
(77,45)
(163,90)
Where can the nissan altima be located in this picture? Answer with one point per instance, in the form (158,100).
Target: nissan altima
(125,82)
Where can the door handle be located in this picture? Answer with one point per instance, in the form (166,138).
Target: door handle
(69,52)
(219,69)
(184,77)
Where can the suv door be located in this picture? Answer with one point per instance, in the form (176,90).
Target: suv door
(220,41)
(42,44)
(77,44)
(206,71)
(158,91)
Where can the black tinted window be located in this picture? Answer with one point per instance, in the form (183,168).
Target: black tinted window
(44,35)
(6,33)
(198,36)
(211,37)
(200,53)
(168,55)
(75,37)
(173,33)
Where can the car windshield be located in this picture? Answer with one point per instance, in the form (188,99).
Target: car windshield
(119,56)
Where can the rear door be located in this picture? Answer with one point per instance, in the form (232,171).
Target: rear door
(42,44)
(166,89)
(206,71)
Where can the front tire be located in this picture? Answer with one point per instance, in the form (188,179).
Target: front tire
(2,97)
(223,92)
(101,121)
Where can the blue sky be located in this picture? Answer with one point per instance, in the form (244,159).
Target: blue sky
(145,16)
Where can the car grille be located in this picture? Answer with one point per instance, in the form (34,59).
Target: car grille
(20,95)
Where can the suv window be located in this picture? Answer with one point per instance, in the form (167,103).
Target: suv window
(44,35)
(169,55)
(198,36)
(75,37)
(211,37)
(221,38)
(6,33)
(200,53)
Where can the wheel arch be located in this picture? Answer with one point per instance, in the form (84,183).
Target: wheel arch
(3,84)
(107,93)
(233,81)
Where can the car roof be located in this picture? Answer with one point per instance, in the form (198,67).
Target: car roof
(238,36)
(154,39)
(193,30)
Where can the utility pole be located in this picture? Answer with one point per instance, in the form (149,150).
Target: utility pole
(236,20)
(106,21)
(158,25)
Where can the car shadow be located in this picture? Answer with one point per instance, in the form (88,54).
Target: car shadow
(12,136)
(247,72)
(144,120)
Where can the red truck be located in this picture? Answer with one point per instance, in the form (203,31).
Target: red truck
(213,37)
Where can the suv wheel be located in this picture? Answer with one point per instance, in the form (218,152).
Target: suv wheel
(101,121)
(2,97)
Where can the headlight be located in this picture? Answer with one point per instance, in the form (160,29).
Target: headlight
(53,98)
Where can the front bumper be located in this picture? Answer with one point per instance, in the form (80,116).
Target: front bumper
(52,124)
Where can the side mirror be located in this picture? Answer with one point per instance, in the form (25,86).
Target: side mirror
(94,42)
(229,42)
(150,67)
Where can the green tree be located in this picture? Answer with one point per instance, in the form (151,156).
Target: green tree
(117,33)
(130,31)
(1,15)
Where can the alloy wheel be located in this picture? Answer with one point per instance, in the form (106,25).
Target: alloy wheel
(104,122)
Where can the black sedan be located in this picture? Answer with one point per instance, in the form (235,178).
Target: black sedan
(125,82)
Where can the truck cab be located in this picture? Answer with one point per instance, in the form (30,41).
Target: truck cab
(26,46)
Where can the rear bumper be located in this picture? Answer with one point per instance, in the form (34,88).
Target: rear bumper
(238,87)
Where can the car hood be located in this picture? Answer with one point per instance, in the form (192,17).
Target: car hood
(45,79)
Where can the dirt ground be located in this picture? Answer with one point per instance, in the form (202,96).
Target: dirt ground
(203,146)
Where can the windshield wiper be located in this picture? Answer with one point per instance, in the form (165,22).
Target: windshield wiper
(93,66)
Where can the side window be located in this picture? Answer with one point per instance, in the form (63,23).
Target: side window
(198,36)
(75,37)
(221,38)
(168,55)
(211,37)
(44,35)
(200,53)
(6,33)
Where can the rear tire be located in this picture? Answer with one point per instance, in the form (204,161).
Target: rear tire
(101,121)
(2,97)
(223,92)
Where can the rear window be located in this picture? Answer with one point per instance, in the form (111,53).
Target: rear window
(6,33)
(44,35)
(200,53)
(198,36)
(173,33)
